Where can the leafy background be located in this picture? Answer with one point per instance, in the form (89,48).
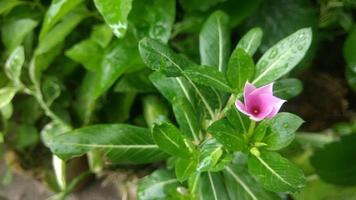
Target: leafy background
(69,64)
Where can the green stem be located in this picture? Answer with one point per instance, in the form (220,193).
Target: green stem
(251,129)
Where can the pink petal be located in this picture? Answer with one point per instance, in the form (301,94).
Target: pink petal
(266,89)
(249,88)
(263,114)
(276,108)
(241,107)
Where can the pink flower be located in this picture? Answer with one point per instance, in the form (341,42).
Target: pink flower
(259,102)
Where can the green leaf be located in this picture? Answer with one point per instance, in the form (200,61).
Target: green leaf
(119,58)
(239,121)
(350,50)
(137,82)
(282,57)
(334,163)
(171,140)
(153,18)
(6,6)
(187,118)
(6,95)
(160,185)
(208,76)
(14,32)
(160,58)
(224,132)
(287,88)
(251,41)
(115,14)
(88,53)
(282,130)
(214,41)
(275,173)
(154,110)
(27,136)
(57,10)
(184,168)
(196,5)
(14,65)
(211,187)
(121,143)
(212,156)
(241,185)
(59,32)
(101,34)
(241,68)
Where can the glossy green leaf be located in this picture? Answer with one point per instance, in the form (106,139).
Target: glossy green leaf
(287,88)
(115,14)
(276,173)
(212,156)
(6,95)
(208,76)
(88,53)
(119,58)
(184,168)
(57,10)
(241,69)
(171,140)
(14,32)
(251,41)
(14,65)
(153,18)
(238,120)
(282,57)
(334,163)
(187,118)
(59,32)
(214,41)
(282,130)
(225,133)
(160,58)
(211,187)
(160,185)
(121,143)
(241,185)
(101,34)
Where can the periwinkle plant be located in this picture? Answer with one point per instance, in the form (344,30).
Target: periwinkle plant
(217,150)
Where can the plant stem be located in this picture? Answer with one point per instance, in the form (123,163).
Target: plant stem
(251,129)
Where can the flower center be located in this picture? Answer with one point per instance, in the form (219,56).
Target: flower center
(256,111)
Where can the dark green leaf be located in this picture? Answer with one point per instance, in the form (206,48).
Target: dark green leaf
(160,185)
(276,173)
(224,132)
(196,5)
(211,187)
(335,164)
(212,156)
(214,41)
(187,118)
(160,58)
(137,82)
(239,121)
(6,6)
(122,143)
(251,41)
(153,18)
(282,130)
(154,110)
(241,185)
(184,168)
(171,140)
(240,69)
(282,57)
(115,13)
(287,88)
(208,76)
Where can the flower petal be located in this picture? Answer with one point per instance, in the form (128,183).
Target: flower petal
(276,108)
(249,88)
(241,107)
(266,89)
(263,114)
